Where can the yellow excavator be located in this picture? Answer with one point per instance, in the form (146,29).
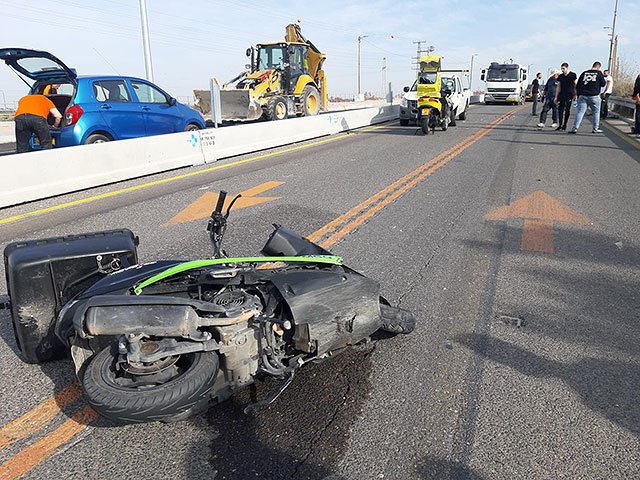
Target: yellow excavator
(285,79)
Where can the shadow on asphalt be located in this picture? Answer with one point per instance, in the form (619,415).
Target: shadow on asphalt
(302,434)
(596,304)
(608,387)
(437,469)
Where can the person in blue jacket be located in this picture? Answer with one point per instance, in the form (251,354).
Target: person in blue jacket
(549,94)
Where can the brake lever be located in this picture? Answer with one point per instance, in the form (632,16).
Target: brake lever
(231,205)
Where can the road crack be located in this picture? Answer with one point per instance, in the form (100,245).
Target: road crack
(344,373)
(453,223)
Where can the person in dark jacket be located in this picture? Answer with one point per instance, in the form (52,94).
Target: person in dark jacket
(566,94)
(588,89)
(636,98)
(535,90)
(549,94)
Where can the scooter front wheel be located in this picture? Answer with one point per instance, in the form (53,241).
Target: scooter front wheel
(171,389)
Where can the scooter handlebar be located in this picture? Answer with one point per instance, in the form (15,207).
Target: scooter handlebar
(221,198)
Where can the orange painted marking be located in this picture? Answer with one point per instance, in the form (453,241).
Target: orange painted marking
(539,212)
(38,452)
(204,205)
(36,418)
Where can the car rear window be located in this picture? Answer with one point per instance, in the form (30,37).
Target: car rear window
(39,65)
(111,91)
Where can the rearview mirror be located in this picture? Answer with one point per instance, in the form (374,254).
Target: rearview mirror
(173,102)
(406,89)
(248,52)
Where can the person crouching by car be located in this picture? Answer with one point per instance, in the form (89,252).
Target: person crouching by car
(31,117)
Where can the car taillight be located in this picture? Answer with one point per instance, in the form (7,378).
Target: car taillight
(74,113)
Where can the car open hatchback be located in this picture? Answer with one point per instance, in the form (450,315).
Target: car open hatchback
(100,108)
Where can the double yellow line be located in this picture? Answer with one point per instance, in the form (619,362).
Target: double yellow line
(334,231)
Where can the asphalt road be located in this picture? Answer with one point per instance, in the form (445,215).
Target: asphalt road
(524,364)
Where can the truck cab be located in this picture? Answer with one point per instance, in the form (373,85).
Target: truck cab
(505,82)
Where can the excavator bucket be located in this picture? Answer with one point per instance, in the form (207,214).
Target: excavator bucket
(237,105)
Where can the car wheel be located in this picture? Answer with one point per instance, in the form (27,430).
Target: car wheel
(310,100)
(276,109)
(171,390)
(404,122)
(452,118)
(463,115)
(96,138)
(192,127)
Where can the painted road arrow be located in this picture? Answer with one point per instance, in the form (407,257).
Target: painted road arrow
(539,211)
(204,205)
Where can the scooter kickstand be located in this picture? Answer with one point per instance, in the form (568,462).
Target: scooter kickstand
(273,395)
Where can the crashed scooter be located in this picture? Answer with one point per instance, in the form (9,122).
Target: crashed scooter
(162,341)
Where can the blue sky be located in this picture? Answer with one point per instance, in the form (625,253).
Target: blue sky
(194,40)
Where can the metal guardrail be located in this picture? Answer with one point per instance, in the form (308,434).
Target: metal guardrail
(623,106)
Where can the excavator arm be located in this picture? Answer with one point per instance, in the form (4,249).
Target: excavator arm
(293,34)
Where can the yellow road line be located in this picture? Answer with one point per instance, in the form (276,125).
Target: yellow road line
(36,418)
(420,173)
(36,453)
(163,181)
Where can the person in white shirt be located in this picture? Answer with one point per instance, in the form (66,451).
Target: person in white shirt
(605,93)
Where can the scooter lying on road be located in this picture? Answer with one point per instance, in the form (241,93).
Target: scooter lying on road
(164,340)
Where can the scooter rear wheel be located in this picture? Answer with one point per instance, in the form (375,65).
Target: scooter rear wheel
(177,391)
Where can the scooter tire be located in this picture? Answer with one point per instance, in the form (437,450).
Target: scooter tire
(396,320)
(182,396)
(424,126)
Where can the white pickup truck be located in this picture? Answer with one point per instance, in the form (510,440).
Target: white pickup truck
(459,97)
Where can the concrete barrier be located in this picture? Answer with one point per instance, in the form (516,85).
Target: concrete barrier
(36,175)
(228,142)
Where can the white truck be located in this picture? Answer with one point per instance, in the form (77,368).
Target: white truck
(460,98)
(505,82)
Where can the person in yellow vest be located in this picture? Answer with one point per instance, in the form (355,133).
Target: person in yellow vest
(31,117)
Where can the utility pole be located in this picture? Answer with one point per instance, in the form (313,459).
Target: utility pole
(614,59)
(359,42)
(419,51)
(471,72)
(384,74)
(613,34)
(145,40)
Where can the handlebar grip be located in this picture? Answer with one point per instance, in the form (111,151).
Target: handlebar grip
(221,198)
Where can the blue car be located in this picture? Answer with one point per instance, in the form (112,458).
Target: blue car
(99,109)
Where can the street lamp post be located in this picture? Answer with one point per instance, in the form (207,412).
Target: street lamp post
(145,40)
(471,71)
(613,34)
(359,43)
